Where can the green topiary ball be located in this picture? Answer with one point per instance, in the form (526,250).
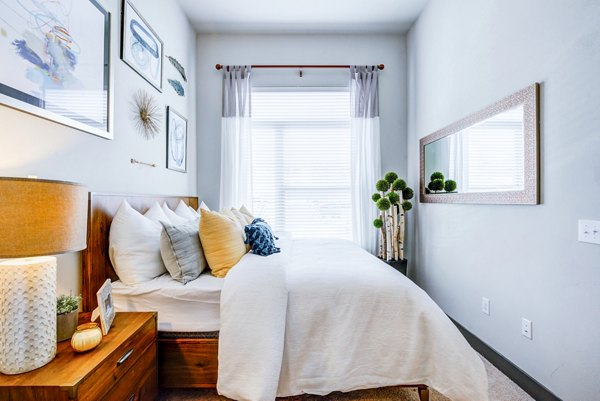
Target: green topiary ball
(408,193)
(391,177)
(437,176)
(427,190)
(378,223)
(383,204)
(449,185)
(399,185)
(406,205)
(382,185)
(376,197)
(436,185)
(394,198)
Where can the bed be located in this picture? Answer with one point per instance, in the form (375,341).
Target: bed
(293,296)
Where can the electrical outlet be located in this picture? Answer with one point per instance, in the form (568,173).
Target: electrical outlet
(485,305)
(526,328)
(589,231)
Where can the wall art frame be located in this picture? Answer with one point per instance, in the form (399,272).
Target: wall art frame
(141,48)
(56,63)
(176,141)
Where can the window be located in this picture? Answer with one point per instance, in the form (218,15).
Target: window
(301,147)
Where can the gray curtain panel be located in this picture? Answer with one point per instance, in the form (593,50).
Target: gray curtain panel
(236,90)
(365,99)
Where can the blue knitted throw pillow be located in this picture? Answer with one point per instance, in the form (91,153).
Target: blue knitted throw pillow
(260,238)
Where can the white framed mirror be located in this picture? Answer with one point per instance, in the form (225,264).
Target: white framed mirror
(491,156)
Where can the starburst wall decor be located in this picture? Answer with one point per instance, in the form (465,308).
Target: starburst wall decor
(147,114)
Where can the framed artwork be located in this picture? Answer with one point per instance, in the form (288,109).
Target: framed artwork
(56,62)
(141,48)
(176,141)
(106,308)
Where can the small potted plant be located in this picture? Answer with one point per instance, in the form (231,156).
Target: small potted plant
(66,316)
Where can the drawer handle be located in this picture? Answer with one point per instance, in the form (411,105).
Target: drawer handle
(124,357)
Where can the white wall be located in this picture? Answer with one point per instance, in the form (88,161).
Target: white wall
(32,146)
(298,49)
(526,259)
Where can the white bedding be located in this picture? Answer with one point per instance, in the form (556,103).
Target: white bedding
(323,316)
(193,307)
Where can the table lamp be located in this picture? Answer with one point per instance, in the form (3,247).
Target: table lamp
(37,218)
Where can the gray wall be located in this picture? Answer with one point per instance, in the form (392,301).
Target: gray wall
(32,146)
(298,49)
(526,259)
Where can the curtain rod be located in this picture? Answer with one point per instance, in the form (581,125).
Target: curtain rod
(220,67)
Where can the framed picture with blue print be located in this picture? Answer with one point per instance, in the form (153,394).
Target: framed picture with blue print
(55,62)
(141,48)
(176,141)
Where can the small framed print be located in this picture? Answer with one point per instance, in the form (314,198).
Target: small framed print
(106,307)
(176,141)
(141,48)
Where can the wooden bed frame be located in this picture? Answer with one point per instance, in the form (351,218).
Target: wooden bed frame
(186,360)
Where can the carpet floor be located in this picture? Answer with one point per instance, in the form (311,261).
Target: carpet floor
(501,388)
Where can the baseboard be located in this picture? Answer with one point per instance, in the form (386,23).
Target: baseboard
(523,380)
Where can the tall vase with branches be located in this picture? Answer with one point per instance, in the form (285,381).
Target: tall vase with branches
(393,201)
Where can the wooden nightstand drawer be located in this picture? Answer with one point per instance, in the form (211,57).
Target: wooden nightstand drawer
(140,383)
(124,364)
(118,363)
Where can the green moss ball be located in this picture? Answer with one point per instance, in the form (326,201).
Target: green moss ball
(436,185)
(399,185)
(408,193)
(382,185)
(378,223)
(406,205)
(383,204)
(437,176)
(427,190)
(391,177)
(376,197)
(394,198)
(450,186)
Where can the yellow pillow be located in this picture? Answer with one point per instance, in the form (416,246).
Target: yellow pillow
(221,240)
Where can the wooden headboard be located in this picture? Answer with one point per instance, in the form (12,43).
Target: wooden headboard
(102,208)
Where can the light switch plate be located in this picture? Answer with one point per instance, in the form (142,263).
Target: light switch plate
(589,231)
(526,328)
(485,305)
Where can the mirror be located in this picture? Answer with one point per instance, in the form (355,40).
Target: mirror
(489,157)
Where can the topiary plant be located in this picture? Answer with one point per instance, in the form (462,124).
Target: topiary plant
(392,206)
(391,177)
(437,176)
(436,185)
(450,185)
(382,185)
(394,198)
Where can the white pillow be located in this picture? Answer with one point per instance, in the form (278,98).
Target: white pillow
(156,214)
(134,246)
(175,219)
(203,206)
(183,211)
(191,209)
(247,214)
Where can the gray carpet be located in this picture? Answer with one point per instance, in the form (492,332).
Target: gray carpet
(501,389)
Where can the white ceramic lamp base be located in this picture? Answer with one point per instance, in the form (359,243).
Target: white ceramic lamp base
(27,313)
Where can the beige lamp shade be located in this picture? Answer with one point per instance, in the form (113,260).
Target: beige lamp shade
(41,217)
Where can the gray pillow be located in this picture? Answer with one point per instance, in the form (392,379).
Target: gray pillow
(181,251)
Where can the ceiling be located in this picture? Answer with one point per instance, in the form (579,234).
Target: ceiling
(302,16)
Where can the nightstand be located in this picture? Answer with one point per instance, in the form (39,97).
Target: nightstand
(399,265)
(123,367)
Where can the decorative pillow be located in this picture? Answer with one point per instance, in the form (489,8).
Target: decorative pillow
(156,214)
(221,240)
(241,218)
(184,211)
(203,206)
(134,246)
(181,251)
(261,238)
(194,212)
(247,214)
(173,218)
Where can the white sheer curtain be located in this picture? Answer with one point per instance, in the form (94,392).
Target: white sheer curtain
(236,150)
(366,153)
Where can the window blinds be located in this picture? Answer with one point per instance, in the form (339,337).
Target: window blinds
(301,160)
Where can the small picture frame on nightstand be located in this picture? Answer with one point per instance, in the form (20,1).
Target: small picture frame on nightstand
(106,309)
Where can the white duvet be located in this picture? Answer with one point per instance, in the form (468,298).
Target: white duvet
(325,315)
